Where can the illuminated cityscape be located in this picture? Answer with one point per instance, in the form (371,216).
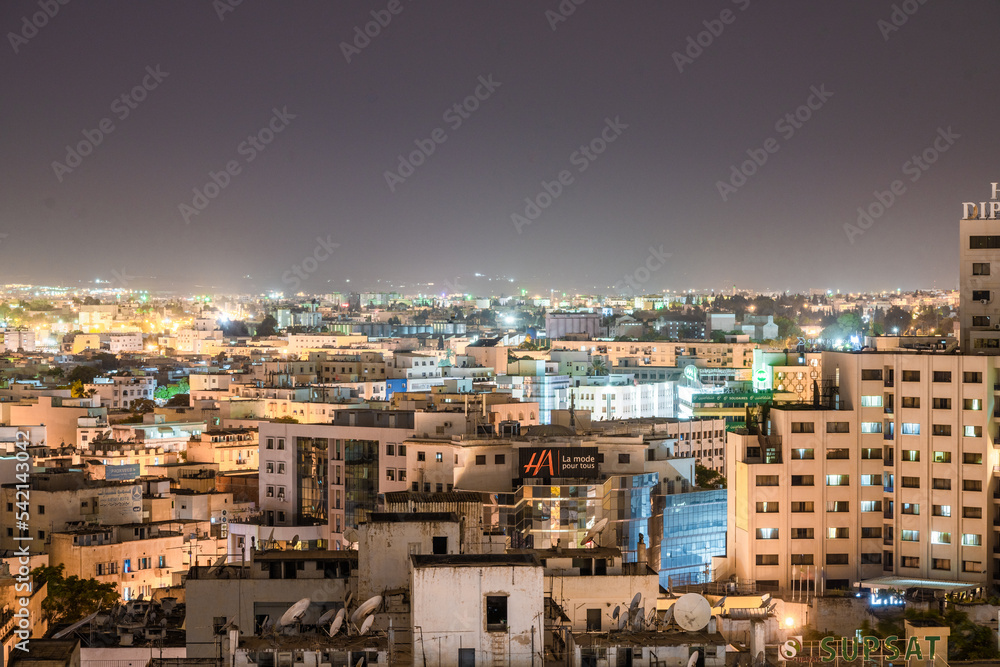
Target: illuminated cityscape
(578,333)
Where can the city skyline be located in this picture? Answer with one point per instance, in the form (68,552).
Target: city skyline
(736,140)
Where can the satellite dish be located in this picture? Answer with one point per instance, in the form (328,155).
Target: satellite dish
(294,613)
(651,620)
(366,607)
(614,614)
(347,600)
(366,626)
(595,531)
(267,625)
(360,662)
(270,538)
(338,621)
(692,612)
(326,617)
(350,534)
(295,541)
(634,603)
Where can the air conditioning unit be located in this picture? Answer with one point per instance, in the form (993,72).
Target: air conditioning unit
(984,301)
(997,327)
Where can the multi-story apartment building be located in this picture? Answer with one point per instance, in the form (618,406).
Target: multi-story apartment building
(120,391)
(979,254)
(892,474)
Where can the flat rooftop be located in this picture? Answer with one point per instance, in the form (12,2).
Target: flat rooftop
(461,560)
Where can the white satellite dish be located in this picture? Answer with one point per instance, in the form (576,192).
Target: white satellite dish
(351,535)
(692,612)
(367,625)
(365,608)
(338,621)
(594,532)
(326,617)
(347,600)
(294,613)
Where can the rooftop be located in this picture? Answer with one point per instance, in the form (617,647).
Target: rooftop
(460,560)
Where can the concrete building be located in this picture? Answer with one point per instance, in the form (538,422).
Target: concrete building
(560,324)
(979,283)
(137,558)
(891,475)
(477,608)
(263,587)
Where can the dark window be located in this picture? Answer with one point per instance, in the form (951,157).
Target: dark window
(871,373)
(911,376)
(941,429)
(871,559)
(480,459)
(466,657)
(499,459)
(972,512)
(838,427)
(802,559)
(593,620)
(972,377)
(767,559)
(980,268)
(422,456)
(624,458)
(942,403)
(941,483)
(942,376)
(980,295)
(802,480)
(496,613)
(983,242)
(439,545)
(911,401)
(980,320)
(767,480)
(803,427)
(836,559)
(972,485)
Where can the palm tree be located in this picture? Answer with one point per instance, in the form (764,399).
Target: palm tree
(598,366)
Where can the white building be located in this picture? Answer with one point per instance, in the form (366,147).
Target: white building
(477,608)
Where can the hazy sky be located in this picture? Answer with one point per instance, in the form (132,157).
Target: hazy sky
(643,109)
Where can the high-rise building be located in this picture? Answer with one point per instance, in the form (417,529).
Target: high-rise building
(979,272)
(892,474)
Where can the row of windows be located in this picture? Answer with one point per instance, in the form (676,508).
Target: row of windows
(970,377)
(874,480)
(871,559)
(943,403)
(843,533)
(438,488)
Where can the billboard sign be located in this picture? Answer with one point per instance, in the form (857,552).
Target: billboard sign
(558,462)
(122,473)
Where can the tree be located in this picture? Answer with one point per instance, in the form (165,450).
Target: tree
(285,420)
(268,326)
(77,390)
(69,599)
(83,374)
(179,401)
(706,478)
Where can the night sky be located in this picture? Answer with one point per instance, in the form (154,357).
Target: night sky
(674,126)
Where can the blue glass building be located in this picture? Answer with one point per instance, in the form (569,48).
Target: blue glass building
(694,530)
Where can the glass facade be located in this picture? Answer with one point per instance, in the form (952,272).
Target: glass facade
(311,477)
(694,530)
(360,480)
(539,516)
